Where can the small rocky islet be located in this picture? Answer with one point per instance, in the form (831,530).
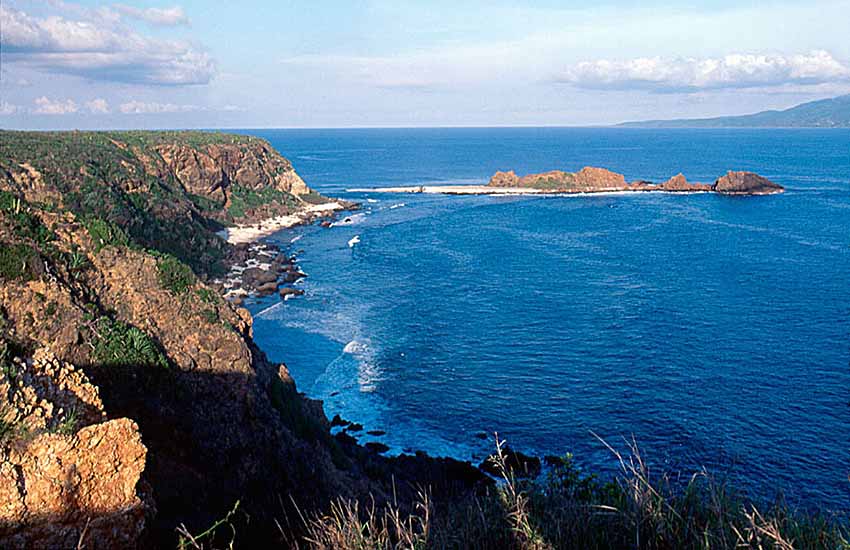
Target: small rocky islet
(595,180)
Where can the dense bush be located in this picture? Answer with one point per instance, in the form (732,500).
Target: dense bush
(18,262)
(174,276)
(118,344)
(104,233)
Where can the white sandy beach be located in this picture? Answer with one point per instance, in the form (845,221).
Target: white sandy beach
(253,232)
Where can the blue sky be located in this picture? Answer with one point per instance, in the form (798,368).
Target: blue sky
(130,64)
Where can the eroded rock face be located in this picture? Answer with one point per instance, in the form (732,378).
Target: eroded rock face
(65,469)
(592,178)
(209,171)
(745,183)
(57,490)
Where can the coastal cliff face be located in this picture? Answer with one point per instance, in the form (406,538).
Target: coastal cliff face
(170,191)
(132,396)
(594,180)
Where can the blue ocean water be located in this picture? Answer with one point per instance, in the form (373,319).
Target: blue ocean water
(714,330)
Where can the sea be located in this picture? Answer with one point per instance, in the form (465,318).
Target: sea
(711,331)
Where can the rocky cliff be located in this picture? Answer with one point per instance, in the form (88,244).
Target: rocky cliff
(595,180)
(133,397)
(170,191)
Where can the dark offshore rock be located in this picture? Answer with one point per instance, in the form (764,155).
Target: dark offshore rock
(292,276)
(355,427)
(288,291)
(522,465)
(745,183)
(267,289)
(339,421)
(377,433)
(254,277)
(376,447)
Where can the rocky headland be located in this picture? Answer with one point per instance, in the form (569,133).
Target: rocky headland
(133,399)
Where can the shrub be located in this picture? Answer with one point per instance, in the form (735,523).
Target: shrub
(207,296)
(105,233)
(18,262)
(174,276)
(121,345)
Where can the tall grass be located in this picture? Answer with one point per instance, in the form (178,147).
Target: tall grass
(638,509)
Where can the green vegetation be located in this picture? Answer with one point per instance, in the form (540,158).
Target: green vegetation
(104,233)
(313,198)
(116,344)
(570,509)
(68,425)
(174,276)
(243,199)
(215,533)
(18,262)
(23,222)
(207,296)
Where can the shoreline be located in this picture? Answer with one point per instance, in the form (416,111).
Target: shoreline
(515,191)
(249,233)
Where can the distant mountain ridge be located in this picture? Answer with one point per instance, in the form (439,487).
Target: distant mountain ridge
(825,113)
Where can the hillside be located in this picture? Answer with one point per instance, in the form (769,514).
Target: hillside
(826,113)
(132,396)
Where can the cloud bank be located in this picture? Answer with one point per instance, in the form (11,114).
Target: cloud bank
(98,46)
(688,74)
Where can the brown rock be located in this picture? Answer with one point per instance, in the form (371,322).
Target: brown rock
(745,183)
(678,183)
(287,291)
(504,179)
(599,179)
(56,487)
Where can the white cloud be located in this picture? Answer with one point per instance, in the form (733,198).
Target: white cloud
(689,74)
(98,106)
(168,17)
(141,107)
(98,46)
(46,106)
(7,108)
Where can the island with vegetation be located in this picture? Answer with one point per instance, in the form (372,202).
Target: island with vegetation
(138,412)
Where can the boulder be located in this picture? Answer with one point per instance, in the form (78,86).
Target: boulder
(745,183)
(288,291)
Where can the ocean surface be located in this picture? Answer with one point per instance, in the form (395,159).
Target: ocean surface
(713,330)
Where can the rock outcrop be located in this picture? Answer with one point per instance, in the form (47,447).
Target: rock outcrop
(211,170)
(67,475)
(678,183)
(745,183)
(594,180)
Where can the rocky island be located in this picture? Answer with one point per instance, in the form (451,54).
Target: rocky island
(596,180)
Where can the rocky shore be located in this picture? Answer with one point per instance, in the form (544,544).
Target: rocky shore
(595,180)
(133,399)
